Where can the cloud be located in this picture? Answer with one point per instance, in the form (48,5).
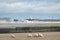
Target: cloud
(35,6)
(49,8)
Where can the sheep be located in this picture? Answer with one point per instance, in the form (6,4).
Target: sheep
(12,35)
(35,35)
(29,35)
(40,34)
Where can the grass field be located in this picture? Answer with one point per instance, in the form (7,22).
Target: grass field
(23,36)
(49,24)
(13,25)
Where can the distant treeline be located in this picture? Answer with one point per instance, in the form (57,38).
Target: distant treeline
(5,19)
(9,19)
(30,29)
(43,19)
(50,20)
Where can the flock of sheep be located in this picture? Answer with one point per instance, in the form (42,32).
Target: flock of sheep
(30,35)
(35,35)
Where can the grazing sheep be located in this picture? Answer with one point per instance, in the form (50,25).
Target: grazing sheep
(12,35)
(29,35)
(35,35)
(40,34)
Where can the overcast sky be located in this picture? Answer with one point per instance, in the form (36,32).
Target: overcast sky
(42,9)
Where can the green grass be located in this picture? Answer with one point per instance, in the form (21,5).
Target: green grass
(46,25)
(51,24)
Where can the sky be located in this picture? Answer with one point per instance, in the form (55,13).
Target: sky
(38,9)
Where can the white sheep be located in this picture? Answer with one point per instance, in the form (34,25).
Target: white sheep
(40,34)
(29,35)
(12,35)
(35,35)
